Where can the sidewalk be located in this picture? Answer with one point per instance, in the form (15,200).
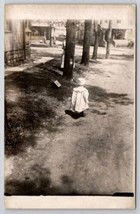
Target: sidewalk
(9,70)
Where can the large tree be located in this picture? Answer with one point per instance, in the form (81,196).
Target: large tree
(109,36)
(24,39)
(86,42)
(70,48)
(97,32)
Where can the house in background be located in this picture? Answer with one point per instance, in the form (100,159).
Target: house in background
(47,32)
(16,48)
(20,33)
(122,33)
(42,32)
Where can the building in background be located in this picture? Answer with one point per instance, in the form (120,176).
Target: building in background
(47,32)
(122,33)
(20,35)
(16,43)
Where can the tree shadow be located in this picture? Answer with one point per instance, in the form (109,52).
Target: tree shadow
(25,123)
(121,99)
(97,94)
(38,182)
(37,101)
(122,57)
(95,111)
(37,54)
(125,57)
(95,61)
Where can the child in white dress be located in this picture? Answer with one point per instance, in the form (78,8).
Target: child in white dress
(79,101)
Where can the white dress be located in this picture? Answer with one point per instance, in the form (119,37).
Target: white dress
(80,99)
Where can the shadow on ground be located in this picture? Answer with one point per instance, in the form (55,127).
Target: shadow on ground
(34,107)
(37,103)
(100,95)
(122,57)
(37,54)
(39,183)
(125,57)
(33,104)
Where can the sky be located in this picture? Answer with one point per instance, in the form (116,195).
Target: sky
(125,12)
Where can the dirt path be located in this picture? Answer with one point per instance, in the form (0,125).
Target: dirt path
(90,155)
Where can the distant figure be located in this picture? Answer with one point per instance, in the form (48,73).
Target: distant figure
(44,39)
(54,40)
(79,101)
(63,54)
(131,44)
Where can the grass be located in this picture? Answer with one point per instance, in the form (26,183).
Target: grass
(37,104)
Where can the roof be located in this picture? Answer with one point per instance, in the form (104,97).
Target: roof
(118,24)
(41,24)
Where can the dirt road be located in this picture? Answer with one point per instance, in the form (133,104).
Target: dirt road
(59,155)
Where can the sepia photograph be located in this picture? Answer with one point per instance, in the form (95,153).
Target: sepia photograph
(69,73)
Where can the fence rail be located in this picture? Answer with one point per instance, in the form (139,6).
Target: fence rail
(15,57)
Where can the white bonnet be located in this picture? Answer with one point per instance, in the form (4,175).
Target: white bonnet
(81,81)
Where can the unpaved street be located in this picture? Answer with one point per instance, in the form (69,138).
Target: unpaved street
(54,154)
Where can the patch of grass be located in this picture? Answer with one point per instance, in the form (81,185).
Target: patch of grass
(38,103)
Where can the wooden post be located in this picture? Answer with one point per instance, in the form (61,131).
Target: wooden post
(109,36)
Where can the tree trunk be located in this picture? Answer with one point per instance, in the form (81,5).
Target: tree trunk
(109,36)
(96,43)
(24,40)
(70,48)
(86,42)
